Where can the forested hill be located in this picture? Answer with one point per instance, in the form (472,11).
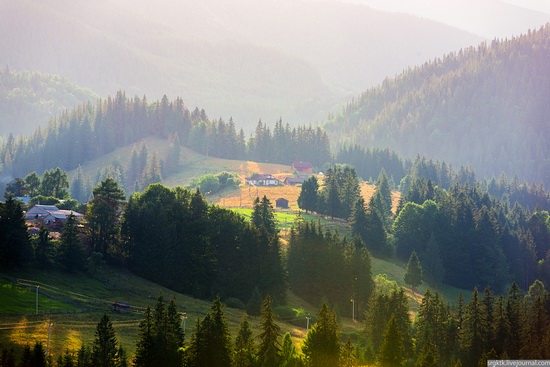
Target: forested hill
(250,59)
(89,131)
(28,99)
(484,106)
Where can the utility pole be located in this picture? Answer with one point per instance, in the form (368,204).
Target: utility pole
(307,325)
(183,320)
(353,309)
(37,299)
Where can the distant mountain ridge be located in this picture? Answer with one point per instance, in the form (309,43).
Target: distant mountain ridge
(29,99)
(488,18)
(485,106)
(246,59)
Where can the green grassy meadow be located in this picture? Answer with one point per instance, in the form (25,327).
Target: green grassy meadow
(287,218)
(74,302)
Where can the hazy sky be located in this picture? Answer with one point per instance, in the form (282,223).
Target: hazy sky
(487,18)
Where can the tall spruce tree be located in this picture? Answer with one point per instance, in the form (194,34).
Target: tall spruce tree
(348,356)
(432,263)
(516,316)
(70,249)
(413,271)
(271,273)
(360,264)
(322,345)
(289,355)
(501,328)
(269,351)
(103,224)
(244,354)
(145,344)
(535,345)
(374,234)
(392,351)
(43,249)
(210,344)
(105,345)
(474,330)
(15,245)
(309,195)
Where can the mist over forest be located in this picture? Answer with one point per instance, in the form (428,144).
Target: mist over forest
(274,183)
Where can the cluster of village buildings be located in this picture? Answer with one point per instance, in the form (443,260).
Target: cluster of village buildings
(49,216)
(301,172)
(53,218)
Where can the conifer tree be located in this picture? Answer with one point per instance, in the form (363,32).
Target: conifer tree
(382,196)
(7,358)
(359,221)
(134,171)
(122,358)
(515,315)
(374,234)
(244,354)
(289,355)
(308,198)
(428,356)
(501,328)
(431,326)
(534,346)
(145,344)
(474,329)
(269,351)
(38,356)
(26,358)
(104,230)
(376,318)
(400,310)
(322,346)
(78,187)
(174,335)
(460,311)
(433,269)
(413,273)
(15,246)
(105,345)
(262,216)
(152,173)
(489,303)
(271,272)
(361,276)
(70,249)
(348,357)
(254,304)
(392,351)
(173,155)
(210,343)
(84,357)
(43,250)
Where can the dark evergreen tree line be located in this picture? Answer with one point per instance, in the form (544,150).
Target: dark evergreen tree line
(323,265)
(370,162)
(90,131)
(467,238)
(173,237)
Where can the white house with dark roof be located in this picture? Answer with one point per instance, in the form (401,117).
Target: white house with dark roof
(262,180)
(49,214)
(38,212)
